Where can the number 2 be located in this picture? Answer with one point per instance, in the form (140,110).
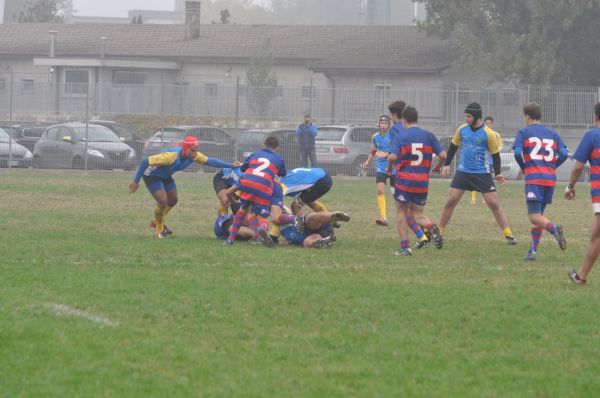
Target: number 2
(535,152)
(264,163)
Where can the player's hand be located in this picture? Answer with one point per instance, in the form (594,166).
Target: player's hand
(223,198)
(365,165)
(437,169)
(501,179)
(133,187)
(570,193)
(445,171)
(388,171)
(237,164)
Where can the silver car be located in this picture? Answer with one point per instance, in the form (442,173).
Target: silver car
(342,149)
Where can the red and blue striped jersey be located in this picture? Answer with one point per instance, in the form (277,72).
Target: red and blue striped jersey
(260,169)
(414,148)
(540,147)
(589,151)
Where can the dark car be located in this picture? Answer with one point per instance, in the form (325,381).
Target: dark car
(64,145)
(126,135)
(214,142)
(252,140)
(27,134)
(11,153)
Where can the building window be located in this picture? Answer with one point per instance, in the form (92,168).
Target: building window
(306,92)
(211,89)
(76,82)
(27,86)
(128,77)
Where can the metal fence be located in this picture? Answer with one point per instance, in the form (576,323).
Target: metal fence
(147,109)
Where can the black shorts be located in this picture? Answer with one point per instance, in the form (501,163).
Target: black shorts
(325,230)
(382,177)
(219,183)
(480,182)
(321,187)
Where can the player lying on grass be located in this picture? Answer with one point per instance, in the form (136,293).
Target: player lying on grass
(313,230)
(157,172)
(224,221)
(411,155)
(539,151)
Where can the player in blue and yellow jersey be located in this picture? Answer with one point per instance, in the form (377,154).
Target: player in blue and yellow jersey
(316,230)
(489,161)
(474,138)
(412,155)
(306,186)
(260,170)
(382,144)
(539,151)
(588,151)
(396,109)
(157,172)
(223,180)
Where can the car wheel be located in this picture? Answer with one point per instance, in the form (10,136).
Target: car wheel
(78,163)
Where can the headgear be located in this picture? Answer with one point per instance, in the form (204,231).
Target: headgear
(188,143)
(474,109)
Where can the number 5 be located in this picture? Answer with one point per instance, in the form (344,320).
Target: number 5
(417,150)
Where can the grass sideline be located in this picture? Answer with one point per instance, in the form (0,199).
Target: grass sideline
(92,305)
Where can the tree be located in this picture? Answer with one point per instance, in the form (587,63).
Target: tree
(261,80)
(53,11)
(225,16)
(533,41)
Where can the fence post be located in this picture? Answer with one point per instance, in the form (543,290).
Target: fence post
(10,117)
(528,94)
(87,118)
(237,116)
(310,97)
(162,109)
(456,105)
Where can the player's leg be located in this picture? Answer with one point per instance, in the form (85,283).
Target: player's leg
(172,199)
(380,180)
(592,252)
(536,208)
(417,206)
(238,221)
(454,196)
(402,202)
(156,187)
(314,241)
(220,186)
(491,200)
(316,192)
(263,212)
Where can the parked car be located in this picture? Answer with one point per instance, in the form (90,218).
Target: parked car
(214,142)
(13,154)
(26,134)
(64,145)
(342,149)
(252,140)
(126,136)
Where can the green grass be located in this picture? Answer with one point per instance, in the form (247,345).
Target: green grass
(187,317)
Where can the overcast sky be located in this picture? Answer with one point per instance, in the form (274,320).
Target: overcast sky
(119,8)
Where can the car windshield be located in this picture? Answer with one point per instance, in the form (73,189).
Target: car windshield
(330,134)
(169,135)
(95,134)
(121,131)
(253,138)
(4,137)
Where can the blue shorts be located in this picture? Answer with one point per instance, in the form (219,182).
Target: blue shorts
(407,197)
(158,184)
(292,236)
(277,198)
(259,210)
(537,197)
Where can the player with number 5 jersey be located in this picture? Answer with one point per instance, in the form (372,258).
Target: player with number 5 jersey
(412,156)
(256,186)
(539,151)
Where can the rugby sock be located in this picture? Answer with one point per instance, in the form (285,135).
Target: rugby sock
(167,210)
(507,231)
(222,211)
(536,234)
(473,197)
(404,244)
(412,224)
(318,206)
(382,206)
(238,219)
(442,229)
(253,221)
(286,219)
(263,224)
(159,217)
(551,228)
(274,230)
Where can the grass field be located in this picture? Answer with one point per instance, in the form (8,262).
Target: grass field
(92,305)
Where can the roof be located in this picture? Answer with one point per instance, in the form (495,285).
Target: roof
(319,47)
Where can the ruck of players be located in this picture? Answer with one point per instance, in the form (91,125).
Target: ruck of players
(251,195)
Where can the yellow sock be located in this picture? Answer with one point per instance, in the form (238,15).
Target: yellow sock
(159,217)
(318,206)
(473,197)
(222,211)
(507,231)
(442,229)
(382,206)
(274,230)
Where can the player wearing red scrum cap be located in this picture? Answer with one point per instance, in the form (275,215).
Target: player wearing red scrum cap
(157,172)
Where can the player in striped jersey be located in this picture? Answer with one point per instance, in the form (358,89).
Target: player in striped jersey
(412,154)
(158,170)
(256,185)
(539,151)
(588,151)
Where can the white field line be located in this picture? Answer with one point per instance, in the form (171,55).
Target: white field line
(65,310)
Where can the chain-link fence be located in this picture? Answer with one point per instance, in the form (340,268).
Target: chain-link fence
(149,117)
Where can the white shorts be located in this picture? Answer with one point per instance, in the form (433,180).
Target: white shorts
(596,208)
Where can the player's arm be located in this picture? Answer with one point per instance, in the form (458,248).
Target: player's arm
(442,156)
(365,165)
(494,149)
(581,156)
(453,147)
(213,162)
(578,168)
(518,151)
(160,159)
